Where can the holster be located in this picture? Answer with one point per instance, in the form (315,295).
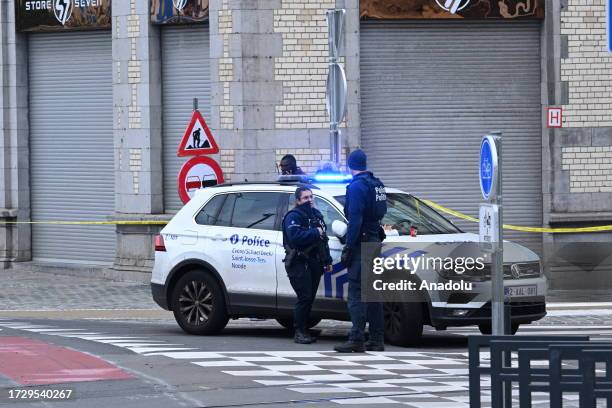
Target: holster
(291,256)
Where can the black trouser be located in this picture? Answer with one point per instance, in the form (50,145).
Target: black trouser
(304,276)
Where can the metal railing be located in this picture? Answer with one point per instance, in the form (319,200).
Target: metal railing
(549,364)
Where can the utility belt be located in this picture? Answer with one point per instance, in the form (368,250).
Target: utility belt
(369,236)
(293,255)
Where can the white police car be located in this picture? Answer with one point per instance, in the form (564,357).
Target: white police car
(220,258)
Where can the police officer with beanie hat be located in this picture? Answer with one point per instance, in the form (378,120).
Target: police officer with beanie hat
(365,206)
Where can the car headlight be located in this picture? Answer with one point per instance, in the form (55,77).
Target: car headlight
(472,275)
(516,270)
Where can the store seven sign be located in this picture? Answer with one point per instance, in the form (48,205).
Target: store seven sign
(48,4)
(453,6)
(180,4)
(62,9)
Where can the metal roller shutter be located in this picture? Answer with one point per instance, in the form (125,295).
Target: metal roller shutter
(185,75)
(71,145)
(431,90)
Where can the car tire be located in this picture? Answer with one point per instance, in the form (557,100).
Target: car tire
(198,303)
(287,322)
(403,323)
(486,328)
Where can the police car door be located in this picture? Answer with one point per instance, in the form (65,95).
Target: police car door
(247,238)
(332,286)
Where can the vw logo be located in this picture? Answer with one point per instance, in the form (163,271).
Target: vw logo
(62,10)
(179,4)
(234,239)
(516,271)
(453,6)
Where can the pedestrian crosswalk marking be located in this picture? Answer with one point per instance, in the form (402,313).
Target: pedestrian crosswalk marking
(389,377)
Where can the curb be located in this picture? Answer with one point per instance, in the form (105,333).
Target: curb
(579,306)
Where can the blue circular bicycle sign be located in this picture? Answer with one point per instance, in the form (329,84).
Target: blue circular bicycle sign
(488,167)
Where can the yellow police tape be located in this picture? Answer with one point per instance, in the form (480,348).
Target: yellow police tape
(458,214)
(88,222)
(439,207)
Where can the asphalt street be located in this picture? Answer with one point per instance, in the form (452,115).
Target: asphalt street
(109,344)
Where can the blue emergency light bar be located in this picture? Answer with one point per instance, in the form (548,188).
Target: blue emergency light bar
(321,177)
(332,178)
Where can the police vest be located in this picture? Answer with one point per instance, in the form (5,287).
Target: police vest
(377,206)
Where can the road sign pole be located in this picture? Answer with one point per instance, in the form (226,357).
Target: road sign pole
(336,83)
(195,104)
(497,258)
(334,143)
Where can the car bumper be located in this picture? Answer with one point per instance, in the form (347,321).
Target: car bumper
(159,295)
(520,312)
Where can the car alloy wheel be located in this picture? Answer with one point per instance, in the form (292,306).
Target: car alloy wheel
(393,319)
(196,302)
(403,322)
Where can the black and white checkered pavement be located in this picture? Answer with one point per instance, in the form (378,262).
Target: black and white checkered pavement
(425,379)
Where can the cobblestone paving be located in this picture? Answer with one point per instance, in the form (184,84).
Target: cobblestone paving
(22,290)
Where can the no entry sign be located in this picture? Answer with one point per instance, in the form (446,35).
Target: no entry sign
(199,172)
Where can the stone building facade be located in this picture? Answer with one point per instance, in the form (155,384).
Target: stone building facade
(265,97)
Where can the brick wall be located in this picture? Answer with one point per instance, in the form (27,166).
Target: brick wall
(136,168)
(308,159)
(134,71)
(587,68)
(303,65)
(228,163)
(590,168)
(226,110)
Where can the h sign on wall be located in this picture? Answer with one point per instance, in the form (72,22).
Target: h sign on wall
(554,117)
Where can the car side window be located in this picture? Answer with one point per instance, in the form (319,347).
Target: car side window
(255,210)
(329,212)
(224,219)
(208,215)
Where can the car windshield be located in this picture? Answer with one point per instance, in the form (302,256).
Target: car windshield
(405,211)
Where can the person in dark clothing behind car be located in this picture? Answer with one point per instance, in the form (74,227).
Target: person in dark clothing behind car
(307,256)
(288,165)
(365,206)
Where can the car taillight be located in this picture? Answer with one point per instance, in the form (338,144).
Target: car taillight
(159,243)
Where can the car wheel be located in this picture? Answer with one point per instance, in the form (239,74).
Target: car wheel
(198,304)
(487,330)
(287,322)
(403,323)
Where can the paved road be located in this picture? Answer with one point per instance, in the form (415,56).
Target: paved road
(110,343)
(254,363)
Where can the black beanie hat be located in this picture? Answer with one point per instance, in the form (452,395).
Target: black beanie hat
(357,160)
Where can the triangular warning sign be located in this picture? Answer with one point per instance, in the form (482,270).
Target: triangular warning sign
(197,138)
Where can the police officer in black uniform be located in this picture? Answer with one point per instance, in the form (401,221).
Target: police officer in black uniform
(365,206)
(307,256)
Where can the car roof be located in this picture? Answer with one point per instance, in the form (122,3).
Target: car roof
(333,189)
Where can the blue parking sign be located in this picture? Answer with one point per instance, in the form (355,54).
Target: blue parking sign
(488,167)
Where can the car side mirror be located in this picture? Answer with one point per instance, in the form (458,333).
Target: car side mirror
(339,229)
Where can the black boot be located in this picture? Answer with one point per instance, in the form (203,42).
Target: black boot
(301,337)
(350,347)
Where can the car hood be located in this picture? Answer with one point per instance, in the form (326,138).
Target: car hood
(513,252)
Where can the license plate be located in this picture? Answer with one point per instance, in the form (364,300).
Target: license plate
(520,291)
